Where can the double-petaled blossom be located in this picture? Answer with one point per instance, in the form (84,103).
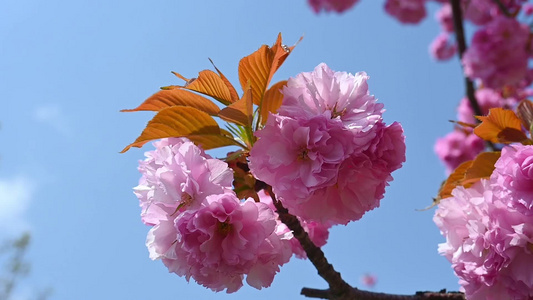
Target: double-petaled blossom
(338,6)
(486,99)
(498,54)
(489,232)
(457,147)
(442,48)
(406,11)
(221,242)
(513,178)
(327,132)
(178,175)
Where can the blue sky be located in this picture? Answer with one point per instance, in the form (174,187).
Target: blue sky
(68,67)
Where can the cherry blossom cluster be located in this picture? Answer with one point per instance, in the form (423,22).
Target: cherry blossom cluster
(327,152)
(328,156)
(200,229)
(489,230)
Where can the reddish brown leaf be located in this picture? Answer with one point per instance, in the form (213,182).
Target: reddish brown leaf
(259,67)
(231,88)
(183,121)
(211,84)
(240,112)
(180,97)
(498,120)
(481,168)
(272,100)
(524,111)
(455,179)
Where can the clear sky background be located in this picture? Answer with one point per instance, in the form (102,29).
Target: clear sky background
(68,67)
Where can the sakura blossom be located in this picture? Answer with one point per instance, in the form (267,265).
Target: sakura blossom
(488,230)
(406,11)
(221,242)
(327,132)
(457,147)
(498,55)
(178,175)
(513,178)
(441,48)
(338,6)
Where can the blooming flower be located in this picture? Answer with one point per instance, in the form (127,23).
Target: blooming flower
(338,6)
(457,147)
(406,11)
(327,132)
(178,175)
(441,48)
(220,242)
(513,177)
(498,53)
(297,157)
(445,17)
(489,232)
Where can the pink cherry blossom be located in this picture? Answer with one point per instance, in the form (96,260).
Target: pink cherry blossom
(457,147)
(338,6)
(178,174)
(441,48)
(406,11)
(498,54)
(220,242)
(369,280)
(297,157)
(513,177)
(359,188)
(445,17)
(339,96)
(528,9)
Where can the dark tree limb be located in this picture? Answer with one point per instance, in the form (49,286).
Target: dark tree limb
(461,45)
(338,288)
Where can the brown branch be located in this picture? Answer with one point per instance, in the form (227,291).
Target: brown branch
(338,288)
(461,44)
(337,285)
(366,295)
(502,8)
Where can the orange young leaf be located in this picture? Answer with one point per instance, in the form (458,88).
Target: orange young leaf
(272,100)
(240,112)
(231,88)
(481,168)
(210,84)
(183,121)
(455,179)
(172,97)
(499,126)
(259,67)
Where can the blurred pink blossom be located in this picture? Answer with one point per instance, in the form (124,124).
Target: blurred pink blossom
(369,280)
(338,6)
(406,11)
(457,147)
(498,54)
(442,48)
